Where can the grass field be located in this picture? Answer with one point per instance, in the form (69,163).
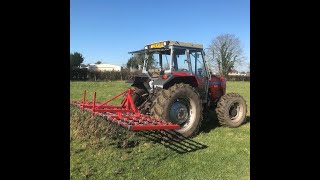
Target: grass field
(216,153)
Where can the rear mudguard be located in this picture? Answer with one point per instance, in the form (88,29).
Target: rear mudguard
(171,80)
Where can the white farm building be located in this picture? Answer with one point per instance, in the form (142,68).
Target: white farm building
(104,67)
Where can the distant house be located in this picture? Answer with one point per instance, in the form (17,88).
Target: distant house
(234,72)
(83,66)
(104,67)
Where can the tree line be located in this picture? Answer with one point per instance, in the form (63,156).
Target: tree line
(224,54)
(85,75)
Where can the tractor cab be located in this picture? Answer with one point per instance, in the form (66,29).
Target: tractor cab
(173,56)
(169,62)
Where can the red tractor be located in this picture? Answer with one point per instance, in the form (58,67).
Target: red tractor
(172,94)
(180,88)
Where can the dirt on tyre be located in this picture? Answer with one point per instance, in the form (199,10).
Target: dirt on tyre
(180,104)
(231,110)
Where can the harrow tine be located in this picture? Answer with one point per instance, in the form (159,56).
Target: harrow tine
(94,105)
(84,100)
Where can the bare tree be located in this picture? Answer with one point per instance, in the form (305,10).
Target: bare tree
(225,53)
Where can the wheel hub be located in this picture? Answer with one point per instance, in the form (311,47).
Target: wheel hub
(179,112)
(233,111)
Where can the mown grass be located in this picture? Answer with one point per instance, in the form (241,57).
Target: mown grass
(99,150)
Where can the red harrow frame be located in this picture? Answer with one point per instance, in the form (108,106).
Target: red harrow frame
(125,115)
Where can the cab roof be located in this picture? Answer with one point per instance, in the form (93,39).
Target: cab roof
(164,45)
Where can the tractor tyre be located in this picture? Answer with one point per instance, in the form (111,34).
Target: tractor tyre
(139,96)
(180,104)
(231,110)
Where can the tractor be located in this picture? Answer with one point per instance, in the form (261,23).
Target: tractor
(181,87)
(173,92)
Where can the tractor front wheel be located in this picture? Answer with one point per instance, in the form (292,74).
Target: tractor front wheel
(231,110)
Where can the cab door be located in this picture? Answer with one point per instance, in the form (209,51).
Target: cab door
(199,70)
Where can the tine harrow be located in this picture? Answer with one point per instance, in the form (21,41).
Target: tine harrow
(125,115)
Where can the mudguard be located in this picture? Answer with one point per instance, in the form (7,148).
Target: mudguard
(165,83)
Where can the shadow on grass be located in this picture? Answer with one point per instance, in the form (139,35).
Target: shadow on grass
(247,119)
(173,140)
(177,142)
(209,122)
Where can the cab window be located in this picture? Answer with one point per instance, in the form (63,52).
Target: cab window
(197,65)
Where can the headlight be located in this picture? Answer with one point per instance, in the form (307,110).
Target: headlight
(146,47)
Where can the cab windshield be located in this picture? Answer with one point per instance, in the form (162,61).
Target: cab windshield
(171,59)
(155,60)
(161,61)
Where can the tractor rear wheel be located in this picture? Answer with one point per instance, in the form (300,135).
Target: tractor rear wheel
(180,104)
(139,96)
(231,110)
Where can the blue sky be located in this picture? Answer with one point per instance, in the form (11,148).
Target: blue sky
(107,30)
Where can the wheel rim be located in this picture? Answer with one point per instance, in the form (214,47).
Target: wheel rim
(182,112)
(179,112)
(235,111)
